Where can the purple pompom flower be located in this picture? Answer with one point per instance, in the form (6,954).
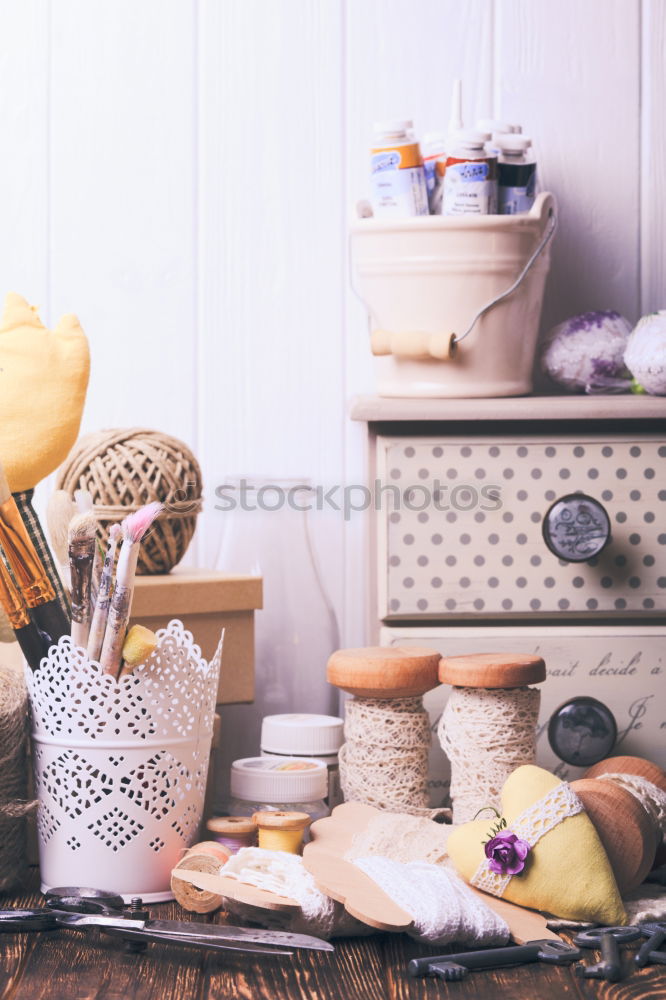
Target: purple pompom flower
(506,853)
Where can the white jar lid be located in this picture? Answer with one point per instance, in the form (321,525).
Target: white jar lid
(301,734)
(282,780)
(513,143)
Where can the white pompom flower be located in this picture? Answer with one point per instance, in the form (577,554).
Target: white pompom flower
(645,355)
(586,352)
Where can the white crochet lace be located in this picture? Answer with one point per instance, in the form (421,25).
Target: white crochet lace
(649,795)
(531,825)
(384,761)
(486,734)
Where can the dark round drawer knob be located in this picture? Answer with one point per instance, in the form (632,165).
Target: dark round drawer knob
(582,731)
(576,527)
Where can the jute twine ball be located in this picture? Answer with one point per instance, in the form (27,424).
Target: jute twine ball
(124,469)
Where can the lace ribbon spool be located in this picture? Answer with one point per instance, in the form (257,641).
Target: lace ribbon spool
(384,761)
(488,727)
(626,800)
(206,857)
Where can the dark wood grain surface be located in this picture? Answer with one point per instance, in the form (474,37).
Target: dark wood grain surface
(74,965)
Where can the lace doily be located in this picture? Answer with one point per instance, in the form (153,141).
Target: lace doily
(486,734)
(531,825)
(384,761)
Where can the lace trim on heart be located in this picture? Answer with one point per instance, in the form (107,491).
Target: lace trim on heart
(531,825)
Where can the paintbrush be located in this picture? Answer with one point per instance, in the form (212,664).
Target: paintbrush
(85,505)
(59,512)
(82,547)
(100,614)
(25,564)
(134,528)
(33,643)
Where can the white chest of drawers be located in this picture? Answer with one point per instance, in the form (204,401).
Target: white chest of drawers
(459,562)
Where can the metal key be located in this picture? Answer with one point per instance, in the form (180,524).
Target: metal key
(608,939)
(456,966)
(656,935)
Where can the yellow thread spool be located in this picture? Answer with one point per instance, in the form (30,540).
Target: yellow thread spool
(281,831)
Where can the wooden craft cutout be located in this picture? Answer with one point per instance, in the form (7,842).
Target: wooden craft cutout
(241,892)
(334,835)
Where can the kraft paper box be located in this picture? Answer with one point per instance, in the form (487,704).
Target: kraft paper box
(207,602)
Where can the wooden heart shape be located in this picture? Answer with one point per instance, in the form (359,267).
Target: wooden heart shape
(567,871)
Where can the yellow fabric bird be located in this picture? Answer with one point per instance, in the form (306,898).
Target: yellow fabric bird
(43,382)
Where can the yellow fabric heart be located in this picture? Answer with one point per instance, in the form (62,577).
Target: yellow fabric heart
(43,382)
(567,872)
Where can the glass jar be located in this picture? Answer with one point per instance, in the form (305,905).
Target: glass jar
(293,784)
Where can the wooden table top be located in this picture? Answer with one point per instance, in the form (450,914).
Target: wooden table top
(72,965)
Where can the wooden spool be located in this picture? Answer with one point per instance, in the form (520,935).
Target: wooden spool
(624,829)
(492,670)
(384,671)
(642,769)
(282,830)
(207,858)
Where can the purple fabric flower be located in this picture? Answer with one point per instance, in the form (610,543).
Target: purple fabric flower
(506,853)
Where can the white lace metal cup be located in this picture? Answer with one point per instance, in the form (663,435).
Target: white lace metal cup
(121,765)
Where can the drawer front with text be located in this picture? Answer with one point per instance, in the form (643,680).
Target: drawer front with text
(460,526)
(624,668)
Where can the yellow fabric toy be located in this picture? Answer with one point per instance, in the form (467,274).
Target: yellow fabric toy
(566,870)
(43,382)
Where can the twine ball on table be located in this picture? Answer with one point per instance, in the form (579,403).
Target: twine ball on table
(125,469)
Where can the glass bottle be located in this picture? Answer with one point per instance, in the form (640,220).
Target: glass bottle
(266,533)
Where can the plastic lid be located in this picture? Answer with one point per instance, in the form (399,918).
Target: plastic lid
(289,779)
(493,125)
(513,143)
(398,127)
(470,138)
(301,734)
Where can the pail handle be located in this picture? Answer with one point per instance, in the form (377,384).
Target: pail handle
(444,346)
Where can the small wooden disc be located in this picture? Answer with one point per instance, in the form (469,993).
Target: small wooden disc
(230,825)
(629,765)
(384,671)
(212,849)
(492,670)
(624,829)
(272,819)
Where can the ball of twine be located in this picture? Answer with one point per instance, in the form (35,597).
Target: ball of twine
(125,469)
(14,806)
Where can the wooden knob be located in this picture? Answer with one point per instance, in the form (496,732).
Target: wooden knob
(384,671)
(492,670)
(629,765)
(624,829)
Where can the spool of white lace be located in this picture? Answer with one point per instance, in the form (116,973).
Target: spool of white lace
(486,734)
(384,761)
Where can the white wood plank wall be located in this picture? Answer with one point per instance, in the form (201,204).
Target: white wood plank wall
(180,173)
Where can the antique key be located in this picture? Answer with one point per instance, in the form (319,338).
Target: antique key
(608,939)
(650,951)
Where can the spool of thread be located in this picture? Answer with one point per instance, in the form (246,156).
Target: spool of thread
(488,726)
(651,796)
(384,761)
(233,832)
(281,831)
(207,857)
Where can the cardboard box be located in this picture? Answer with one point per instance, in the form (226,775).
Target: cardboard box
(207,602)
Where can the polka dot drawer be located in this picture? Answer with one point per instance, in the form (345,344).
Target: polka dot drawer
(471,526)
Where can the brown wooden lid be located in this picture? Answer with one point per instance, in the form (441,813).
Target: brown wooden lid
(273,819)
(629,765)
(492,670)
(624,828)
(231,825)
(384,671)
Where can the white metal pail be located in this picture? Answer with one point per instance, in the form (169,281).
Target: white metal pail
(120,765)
(424,279)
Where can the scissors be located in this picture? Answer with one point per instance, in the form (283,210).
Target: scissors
(79,908)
